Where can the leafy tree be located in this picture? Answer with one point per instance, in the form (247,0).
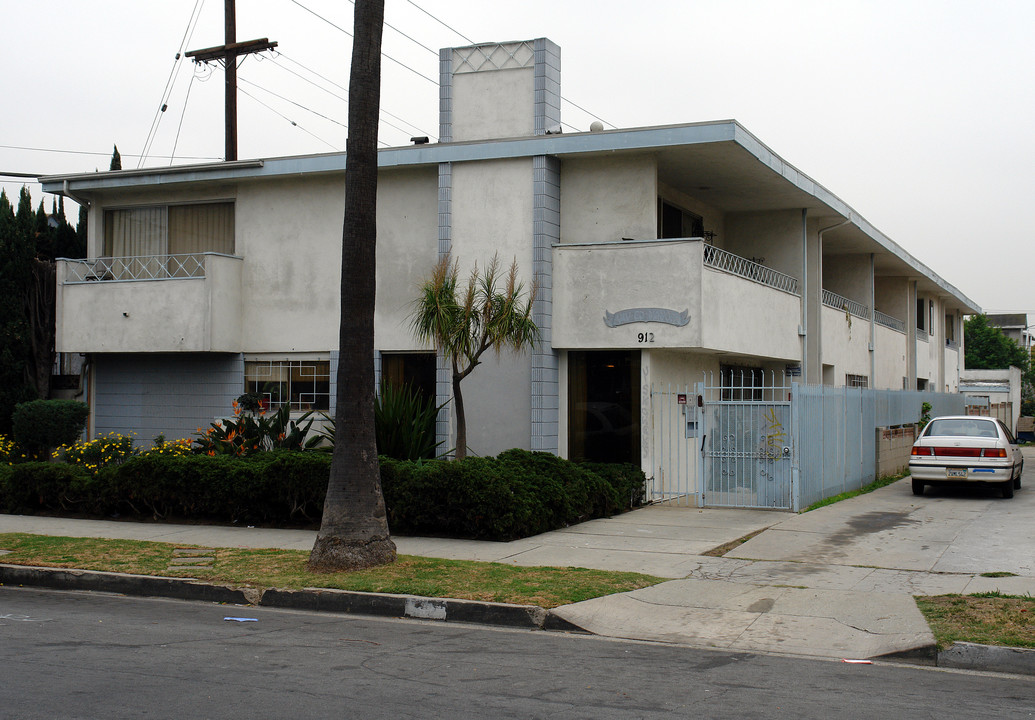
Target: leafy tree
(354,529)
(116,159)
(488,315)
(29,244)
(987,348)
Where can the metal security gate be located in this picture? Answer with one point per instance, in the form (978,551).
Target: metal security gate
(673,448)
(747,448)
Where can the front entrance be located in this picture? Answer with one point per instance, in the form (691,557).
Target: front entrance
(604,406)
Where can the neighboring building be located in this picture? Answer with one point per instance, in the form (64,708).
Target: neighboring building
(662,253)
(996,393)
(1014,326)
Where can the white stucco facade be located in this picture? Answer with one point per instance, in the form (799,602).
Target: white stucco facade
(667,251)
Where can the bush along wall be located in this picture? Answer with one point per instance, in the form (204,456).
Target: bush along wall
(515,495)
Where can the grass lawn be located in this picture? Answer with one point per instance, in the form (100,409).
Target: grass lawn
(547,587)
(985,618)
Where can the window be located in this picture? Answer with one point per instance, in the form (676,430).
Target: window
(414,369)
(674,222)
(304,384)
(921,315)
(169,230)
(741,383)
(857,381)
(950,329)
(604,406)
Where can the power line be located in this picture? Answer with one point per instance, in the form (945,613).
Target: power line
(297,104)
(103,154)
(342,88)
(293,123)
(383,54)
(192,23)
(183,112)
(440,22)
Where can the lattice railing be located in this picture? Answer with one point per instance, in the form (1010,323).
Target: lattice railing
(143,267)
(888,321)
(735,265)
(833,300)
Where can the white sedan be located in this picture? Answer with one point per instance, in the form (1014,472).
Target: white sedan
(965,448)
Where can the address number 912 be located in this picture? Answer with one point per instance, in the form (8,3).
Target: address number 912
(645,337)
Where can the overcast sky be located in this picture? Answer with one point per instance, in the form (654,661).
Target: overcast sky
(919,114)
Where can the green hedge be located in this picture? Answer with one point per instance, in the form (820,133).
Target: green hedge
(40,425)
(514,495)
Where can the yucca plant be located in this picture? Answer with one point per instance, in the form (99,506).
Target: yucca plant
(404,423)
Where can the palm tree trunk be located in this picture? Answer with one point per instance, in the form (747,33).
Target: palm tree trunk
(354,530)
(461,420)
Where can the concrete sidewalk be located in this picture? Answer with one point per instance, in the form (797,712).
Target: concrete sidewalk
(835,583)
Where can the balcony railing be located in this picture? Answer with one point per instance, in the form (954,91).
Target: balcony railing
(888,321)
(922,335)
(742,267)
(142,267)
(837,302)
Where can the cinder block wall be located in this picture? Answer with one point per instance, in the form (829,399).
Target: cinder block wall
(893,446)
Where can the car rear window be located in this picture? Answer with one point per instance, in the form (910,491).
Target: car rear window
(962,428)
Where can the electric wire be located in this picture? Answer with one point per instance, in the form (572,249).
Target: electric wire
(383,54)
(101,154)
(192,23)
(183,112)
(285,117)
(342,88)
(411,39)
(440,22)
(296,104)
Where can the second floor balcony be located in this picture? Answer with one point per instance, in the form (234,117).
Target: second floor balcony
(680,293)
(153,303)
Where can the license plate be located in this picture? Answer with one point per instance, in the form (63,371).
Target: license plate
(956,472)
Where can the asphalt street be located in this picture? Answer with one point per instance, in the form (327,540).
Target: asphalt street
(83,655)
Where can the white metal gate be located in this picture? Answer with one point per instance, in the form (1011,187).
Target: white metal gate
(747,441)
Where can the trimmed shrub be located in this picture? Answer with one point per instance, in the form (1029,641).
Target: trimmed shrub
(43,424)
(515,495)
(33,486)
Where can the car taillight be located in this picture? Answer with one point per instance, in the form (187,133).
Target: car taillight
(969,452)
(921,451)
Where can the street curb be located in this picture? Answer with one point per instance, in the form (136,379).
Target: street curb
(994,658)
(531,617)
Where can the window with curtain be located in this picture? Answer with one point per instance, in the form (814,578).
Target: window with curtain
(169,230)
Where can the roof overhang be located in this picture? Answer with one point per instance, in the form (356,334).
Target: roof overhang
(723,163)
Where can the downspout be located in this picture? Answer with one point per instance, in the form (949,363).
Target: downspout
(820,234)
(803,331)
(77,198)
(873,322)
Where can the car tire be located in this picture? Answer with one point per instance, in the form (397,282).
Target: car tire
(1017,480)
(1008,489)
(918,487)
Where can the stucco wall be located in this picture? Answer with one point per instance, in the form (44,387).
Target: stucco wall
(846,341)
(407,250)
(747,318)
(493,104)
(606,199)
(775,236)
(590,281)
(848,276)
(889,358)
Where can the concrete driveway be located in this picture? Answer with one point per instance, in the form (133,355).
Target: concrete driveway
(838,581)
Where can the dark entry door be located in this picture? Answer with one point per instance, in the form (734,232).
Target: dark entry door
(604,406)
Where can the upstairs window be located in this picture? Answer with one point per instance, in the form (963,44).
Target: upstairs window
(857,381)
(675,222)
(169,230)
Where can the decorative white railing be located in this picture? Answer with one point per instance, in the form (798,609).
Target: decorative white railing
(735,265)
(888,321)
(143,267)
(833,300)
(922,335)
(952,344)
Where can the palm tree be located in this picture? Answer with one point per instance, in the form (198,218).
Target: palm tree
(463,328)
(354,529)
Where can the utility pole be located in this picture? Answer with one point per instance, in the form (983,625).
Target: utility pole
(228,53)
